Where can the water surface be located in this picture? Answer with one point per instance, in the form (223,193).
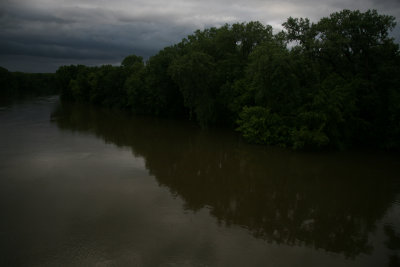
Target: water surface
(83,186)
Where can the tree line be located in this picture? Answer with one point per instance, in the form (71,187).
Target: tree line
(330,84)
(19,85)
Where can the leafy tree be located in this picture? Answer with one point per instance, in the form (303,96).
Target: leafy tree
(166,98)
(195,75)
(135,86)
(261,126)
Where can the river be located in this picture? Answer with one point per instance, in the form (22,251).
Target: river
(84,186)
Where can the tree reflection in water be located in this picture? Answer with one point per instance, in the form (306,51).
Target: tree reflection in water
(393,244)
(329,201)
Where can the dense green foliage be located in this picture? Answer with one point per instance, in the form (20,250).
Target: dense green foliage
(18,84)
(335,83)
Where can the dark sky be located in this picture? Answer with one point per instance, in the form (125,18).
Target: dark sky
(41,35)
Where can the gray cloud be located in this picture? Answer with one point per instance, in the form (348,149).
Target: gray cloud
(55,33)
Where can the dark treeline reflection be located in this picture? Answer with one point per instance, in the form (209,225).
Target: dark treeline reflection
(393,244)
(324,201)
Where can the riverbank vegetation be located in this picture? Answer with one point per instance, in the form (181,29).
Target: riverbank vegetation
(15,85)
(330,84)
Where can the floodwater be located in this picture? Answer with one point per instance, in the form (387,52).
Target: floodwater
(81,186)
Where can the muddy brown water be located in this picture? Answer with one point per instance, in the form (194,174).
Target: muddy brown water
(83,186)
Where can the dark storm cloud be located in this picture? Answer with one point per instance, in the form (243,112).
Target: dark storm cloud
(386,3)
(96,31)
(81,34)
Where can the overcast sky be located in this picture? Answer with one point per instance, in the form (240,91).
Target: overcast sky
(41,35)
